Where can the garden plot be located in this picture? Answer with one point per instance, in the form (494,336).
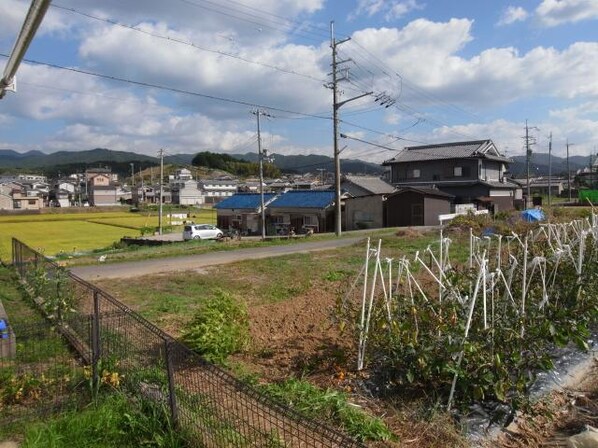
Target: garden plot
(479,332)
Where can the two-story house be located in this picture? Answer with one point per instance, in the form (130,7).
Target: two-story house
(471,171)
(215,190)
(100,187)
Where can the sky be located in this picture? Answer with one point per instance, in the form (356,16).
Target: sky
(190,75)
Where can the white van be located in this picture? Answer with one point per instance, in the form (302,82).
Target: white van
(201,232)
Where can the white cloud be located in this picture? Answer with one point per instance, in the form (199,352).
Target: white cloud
(393,10)
(125,53)
(427,54)
(557,12)
(513,14)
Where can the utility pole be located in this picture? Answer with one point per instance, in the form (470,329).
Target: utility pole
(133,182)
(161,154)
(568,171)
(257,113)
(529,141)
(528,156)
(550,171)
(336,105)
(142,189)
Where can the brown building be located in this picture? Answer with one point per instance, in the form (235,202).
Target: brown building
(412,206)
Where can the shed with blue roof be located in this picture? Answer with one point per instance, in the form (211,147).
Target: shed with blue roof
(302,210)
(242,212)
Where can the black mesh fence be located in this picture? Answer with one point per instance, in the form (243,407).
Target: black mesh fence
(39,373)
(124,349)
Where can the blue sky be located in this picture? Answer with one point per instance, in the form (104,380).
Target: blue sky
(448,70)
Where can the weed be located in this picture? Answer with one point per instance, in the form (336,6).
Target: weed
(111,421)
(219,328)
(329,405)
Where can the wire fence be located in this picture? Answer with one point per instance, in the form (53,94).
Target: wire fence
(38,373)
(206,402)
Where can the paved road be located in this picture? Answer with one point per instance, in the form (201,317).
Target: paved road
(197,262)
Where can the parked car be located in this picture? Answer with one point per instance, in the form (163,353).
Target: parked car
(202,232)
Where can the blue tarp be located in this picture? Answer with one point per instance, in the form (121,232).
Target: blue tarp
(533,215)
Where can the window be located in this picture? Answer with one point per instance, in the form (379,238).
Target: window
(458,171)
(413,174)
(309,221)
(32,201)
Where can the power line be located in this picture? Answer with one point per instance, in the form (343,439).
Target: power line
(170,89)
(187,43)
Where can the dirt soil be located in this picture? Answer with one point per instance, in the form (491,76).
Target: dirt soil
(298,337)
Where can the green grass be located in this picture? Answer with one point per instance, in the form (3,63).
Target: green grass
(171,299)
(112,422)
(330,406)
(13,297)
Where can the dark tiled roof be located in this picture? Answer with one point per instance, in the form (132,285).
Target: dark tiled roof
(457,150)
(304,199)
(372,184)
(244,200)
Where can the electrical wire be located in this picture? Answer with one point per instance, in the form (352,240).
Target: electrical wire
(170,89)
(187,43)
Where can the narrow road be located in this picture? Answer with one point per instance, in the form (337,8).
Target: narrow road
(197,262)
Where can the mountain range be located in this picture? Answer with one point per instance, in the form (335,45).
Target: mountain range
(119,162)
(66,162)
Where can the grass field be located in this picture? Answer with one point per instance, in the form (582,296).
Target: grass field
(78,232)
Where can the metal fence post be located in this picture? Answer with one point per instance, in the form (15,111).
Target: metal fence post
(171,389)
(95,340)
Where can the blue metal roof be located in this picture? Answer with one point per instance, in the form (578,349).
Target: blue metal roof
(304,199)
(243,200)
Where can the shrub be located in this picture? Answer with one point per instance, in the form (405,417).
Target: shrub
(219,329)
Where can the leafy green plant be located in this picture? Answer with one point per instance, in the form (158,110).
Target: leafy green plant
(219,328)
(59,301)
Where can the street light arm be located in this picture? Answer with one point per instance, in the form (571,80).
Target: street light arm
(33,20)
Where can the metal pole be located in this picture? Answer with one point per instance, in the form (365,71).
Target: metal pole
(171,389)
(33,20)
(95,341)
